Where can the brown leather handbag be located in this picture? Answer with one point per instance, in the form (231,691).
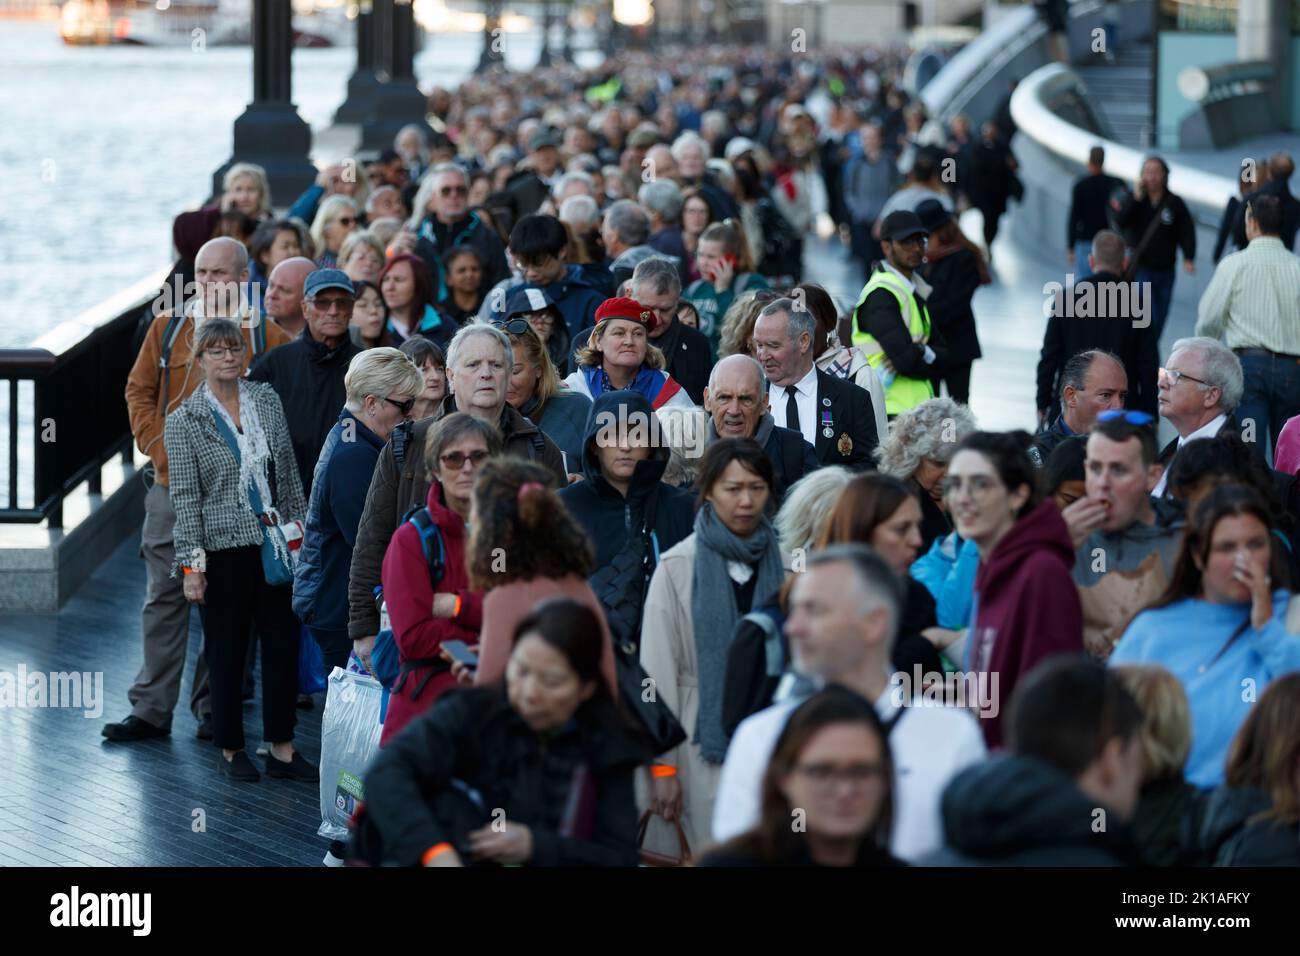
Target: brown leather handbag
(651,858)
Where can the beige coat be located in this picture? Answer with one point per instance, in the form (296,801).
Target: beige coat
(668,656)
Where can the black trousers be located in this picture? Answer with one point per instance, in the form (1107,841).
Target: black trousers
(238,597)
(335,647)
(958,379)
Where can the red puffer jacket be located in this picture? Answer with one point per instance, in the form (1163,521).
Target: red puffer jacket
(409,595)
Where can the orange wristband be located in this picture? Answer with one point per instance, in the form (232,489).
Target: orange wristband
(663,770)
(434,851)
(187,570)
(455,609)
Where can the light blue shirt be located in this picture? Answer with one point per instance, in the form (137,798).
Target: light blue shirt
(1185,638)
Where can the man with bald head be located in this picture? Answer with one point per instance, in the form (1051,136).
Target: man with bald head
(163,376)
(736,400)
(283,301)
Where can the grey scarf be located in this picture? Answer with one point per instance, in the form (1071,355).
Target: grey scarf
(714,612)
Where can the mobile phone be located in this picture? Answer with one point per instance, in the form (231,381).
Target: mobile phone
(460,651)
(730,260)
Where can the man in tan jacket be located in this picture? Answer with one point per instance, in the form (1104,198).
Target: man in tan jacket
(164,376)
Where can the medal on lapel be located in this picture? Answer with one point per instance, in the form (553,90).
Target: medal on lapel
(845,445)
(828,428)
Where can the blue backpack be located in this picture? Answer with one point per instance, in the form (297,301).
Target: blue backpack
(385,659)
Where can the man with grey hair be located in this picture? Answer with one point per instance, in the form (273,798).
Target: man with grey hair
(575,183)
(657,286)
(479,360)
(662,199)
(691,154)
(625,233)
(833,415)
(441,220)
(164,375)
(736,400)
(845,611)
(1200,388)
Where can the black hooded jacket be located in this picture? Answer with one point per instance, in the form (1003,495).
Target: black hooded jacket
(1019,811)
(609,518)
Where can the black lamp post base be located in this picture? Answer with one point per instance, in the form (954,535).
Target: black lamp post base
(395,104)
(360,100)
(275,137)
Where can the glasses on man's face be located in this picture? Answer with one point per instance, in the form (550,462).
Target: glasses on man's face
(1173,376)
(404,407)
(536,265)
(333,305)
(233,351)
(1133,418)
(826,776)
(453,191)
(912,241)
(455,460)
(979,486)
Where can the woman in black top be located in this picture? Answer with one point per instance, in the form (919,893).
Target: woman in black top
(954,268)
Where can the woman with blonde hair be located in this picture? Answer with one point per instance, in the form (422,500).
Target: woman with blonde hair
(362,257)
(337,217)
(1167,803)
(807,508)
(921,442)
(727,271)
(738,324)
(381,386)
(618,355)
(536,391)
(246,188)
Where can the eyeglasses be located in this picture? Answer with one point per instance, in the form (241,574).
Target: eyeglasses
(825,775)
(979,486)
(455,460)
(234,351)
(346,220)
(1133,418)
(454,191)
(405,407)
(1176,376)
(911,241)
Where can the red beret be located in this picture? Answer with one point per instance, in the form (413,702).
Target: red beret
(629,309)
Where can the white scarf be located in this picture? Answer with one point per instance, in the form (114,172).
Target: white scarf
(254,450)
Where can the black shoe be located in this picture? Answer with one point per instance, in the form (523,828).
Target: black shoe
(305,702)
(133,728)
(295,769)
(238,767)
(205,729)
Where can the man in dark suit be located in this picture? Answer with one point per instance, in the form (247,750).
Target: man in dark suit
(736,400)
(833,415)
(1103,313)
(1089,212)
(1200,388)
(657,285)
(1280,169)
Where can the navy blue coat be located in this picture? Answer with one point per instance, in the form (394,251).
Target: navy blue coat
(338,495)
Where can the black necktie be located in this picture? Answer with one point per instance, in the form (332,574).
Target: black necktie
(792,409)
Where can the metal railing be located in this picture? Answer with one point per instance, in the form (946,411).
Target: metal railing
(77,418)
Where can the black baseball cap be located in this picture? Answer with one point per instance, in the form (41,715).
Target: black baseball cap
(902,224)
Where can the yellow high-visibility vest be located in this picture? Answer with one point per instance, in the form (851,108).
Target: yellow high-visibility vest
(902,393)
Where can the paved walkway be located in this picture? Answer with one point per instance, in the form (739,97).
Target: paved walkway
(70,798)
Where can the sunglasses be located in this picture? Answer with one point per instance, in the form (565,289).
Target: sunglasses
(1140,419)
(455,460)
(404,407)
(454,191)
(512,326)
(346,220)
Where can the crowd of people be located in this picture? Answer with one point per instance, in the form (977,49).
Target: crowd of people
(664,554)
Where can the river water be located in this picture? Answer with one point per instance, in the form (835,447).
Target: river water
(100,148)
